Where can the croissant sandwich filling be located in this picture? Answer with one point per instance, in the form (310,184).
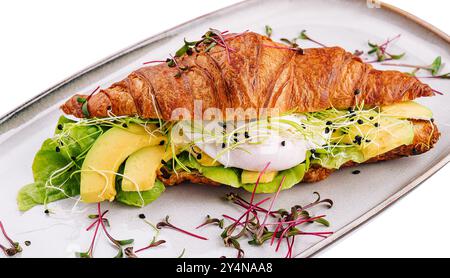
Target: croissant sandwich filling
(143,155)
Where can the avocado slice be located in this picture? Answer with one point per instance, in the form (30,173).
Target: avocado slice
(380,136)
(252,177)
(106,155)
(407,110)
(140,169)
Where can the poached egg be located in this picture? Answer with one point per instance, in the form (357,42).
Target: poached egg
(251,146)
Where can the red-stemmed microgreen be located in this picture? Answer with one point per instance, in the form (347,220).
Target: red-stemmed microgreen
(304,36)
(266,216)
(152,244)
(154,241)
(90,251)
(432,68)
(166,224)
(14,246)
(209,220)
(440,76)
(95,216)
(380,50)
(358,52)
(84,102)
(101,222)
(293,47)
(268,31)
(155,62)
(284,229)
(129,253)
(209,40)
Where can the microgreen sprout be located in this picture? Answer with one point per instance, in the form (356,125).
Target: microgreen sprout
(433,68)
(14,246)
(84,102)
(166,224)
(380,50)
(358,52)
(304,36)
(152,244)
(268,30)
(182,253)
(209,40)
(293,45)
(117,243)
(286,227)
(209,220)
(129,253)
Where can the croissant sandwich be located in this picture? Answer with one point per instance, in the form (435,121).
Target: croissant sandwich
(230,109)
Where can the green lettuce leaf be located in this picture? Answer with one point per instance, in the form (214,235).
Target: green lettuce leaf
(54,166)
(338,157)
(232,176)
(146,197)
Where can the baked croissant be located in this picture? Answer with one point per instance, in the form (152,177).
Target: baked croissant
(254,73)
(251,71)
(332,110)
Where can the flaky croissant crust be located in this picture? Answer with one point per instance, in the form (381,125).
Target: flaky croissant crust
(255,73)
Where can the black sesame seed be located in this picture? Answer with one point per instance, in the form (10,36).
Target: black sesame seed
(142,216)
(27,243)
(371,118)
(327,130)
(125,125)
(432,120)
(246,134)
(199,156)
(60,126)
(165,173)
(235,134)
(313,151)
(329,123)
(223,145)
(224,125)
(162,142)
(163,162)
(360,121)
(57,149)
(236,140)
(46,211)
(368,140)
(283,143)
(357,140)
(356,172)
(376,124)
(357,92)
(108,108)
(351,120)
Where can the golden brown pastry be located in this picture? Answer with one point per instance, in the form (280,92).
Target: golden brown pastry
(255,73)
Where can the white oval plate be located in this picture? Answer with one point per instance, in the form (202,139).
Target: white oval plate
(349,24)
